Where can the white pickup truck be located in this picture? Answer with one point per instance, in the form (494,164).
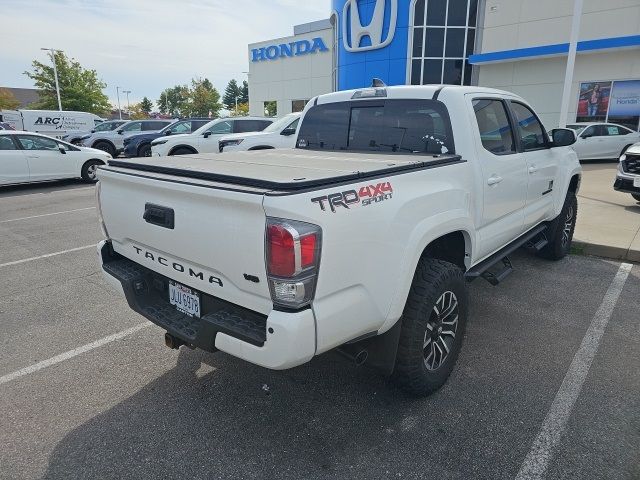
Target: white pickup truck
(362,238)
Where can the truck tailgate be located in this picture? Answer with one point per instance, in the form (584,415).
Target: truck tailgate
(219,231)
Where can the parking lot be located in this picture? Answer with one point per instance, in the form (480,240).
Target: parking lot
(546,385)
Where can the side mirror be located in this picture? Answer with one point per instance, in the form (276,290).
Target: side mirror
(586,135)
(288,131)
(168,132)
(62,149)
(563,137)
(207,134)
(119,132)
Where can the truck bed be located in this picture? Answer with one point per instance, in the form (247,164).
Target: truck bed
(282,170)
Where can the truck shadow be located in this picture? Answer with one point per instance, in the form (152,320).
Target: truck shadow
(214,416)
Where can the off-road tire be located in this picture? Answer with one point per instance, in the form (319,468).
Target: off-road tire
(88,170)
(105,147)
(636,196)
(562,231)
(432,279)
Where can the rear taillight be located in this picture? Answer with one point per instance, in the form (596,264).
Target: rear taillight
(293,258)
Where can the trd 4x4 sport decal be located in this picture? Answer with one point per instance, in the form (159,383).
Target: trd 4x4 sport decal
(365,196)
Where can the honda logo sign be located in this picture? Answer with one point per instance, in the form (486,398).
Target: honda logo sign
(353,36)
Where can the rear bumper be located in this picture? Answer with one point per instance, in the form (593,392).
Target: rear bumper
(278,341)
(625,184)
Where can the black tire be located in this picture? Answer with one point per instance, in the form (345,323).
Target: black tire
(636,196)
(106,147)
(182,151)
(144,150)
(88,172)
(435,284)
(562,231)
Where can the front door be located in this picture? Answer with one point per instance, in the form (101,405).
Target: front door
(504,175)
(209,144)
(542,164)
(13,162)
(46,161)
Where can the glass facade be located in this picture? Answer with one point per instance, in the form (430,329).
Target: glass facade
(443,36)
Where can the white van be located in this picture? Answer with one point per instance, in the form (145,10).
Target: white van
(50,122)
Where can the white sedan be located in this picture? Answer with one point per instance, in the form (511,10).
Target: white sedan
(280,134)
(602,141)
(32,157)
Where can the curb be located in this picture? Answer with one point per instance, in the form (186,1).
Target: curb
(607,251)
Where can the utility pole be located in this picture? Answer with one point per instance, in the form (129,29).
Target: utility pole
(55,73)
(118,95)
(128,106)
(571,62)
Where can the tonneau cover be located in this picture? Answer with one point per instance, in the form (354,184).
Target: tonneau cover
(290,169)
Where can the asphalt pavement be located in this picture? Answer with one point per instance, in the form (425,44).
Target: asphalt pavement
(547,384)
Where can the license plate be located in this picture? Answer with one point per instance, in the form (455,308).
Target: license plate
(636,182)
(185,300)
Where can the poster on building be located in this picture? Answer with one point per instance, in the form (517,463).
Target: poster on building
(625,98)
(594,101)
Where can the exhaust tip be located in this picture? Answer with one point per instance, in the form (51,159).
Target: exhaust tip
(171,341)
(361,357)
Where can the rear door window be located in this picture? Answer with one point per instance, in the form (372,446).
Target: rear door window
(222,127)
(242,126)
(400,126)
(496,134)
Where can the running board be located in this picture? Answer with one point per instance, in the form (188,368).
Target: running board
(501,255)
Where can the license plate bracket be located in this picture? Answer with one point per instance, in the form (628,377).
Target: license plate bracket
(185,299)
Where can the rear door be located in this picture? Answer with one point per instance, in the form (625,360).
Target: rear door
(46,161)
(616,139)
(504,174)
(13,162)
(542,163)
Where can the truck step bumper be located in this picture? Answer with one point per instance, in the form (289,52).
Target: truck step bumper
(277,341)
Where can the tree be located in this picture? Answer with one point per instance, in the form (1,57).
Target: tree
(205,99)
(244,92)
(7,100)
(80,89)
(146,106)
(137,112)
(174,101)
(271,108)
(243,110)
(230,93)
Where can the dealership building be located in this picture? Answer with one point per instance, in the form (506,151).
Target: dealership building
(517,45)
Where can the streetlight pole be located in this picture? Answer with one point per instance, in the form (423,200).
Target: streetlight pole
(128,105)
(55,73)
(118,95)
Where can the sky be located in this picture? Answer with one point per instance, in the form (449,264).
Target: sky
(146,45)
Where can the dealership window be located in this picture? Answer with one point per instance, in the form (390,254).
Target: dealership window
(298,105)
(270,108)
(443,37)
(616,101)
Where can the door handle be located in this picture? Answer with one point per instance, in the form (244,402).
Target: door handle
(533,169)
(494,180)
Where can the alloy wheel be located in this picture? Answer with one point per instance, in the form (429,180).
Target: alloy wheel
(441,330)
(568,224)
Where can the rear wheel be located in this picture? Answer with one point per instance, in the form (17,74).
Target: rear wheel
(144,150)
(636,196)
(90,170)
(182,151)
(433,324)
(560,242)
(105,147)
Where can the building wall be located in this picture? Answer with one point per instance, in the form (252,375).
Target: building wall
(524,23)
(285,78)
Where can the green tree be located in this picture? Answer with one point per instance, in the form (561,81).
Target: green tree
(7,100)
(205,99)
(146,106)
(244,92)
(271,108)
(137,112)
(243,110)
(230,93)
(174,101)
(80,88)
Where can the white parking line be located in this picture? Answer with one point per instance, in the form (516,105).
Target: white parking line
(24,260)
(47,214)
(72,353)
(537,460)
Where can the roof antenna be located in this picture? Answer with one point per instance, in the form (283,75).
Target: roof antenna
(376,82)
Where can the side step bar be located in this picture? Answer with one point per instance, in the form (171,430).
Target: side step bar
(501,256)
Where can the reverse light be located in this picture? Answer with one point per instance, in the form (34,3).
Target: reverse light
(292,257)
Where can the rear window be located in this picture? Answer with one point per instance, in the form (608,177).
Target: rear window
(401,126)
